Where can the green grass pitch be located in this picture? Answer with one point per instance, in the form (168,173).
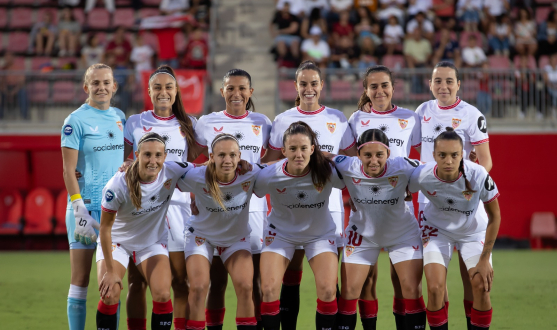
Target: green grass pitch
(34,288)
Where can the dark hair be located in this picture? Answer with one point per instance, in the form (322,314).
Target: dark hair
(306,65)
(527,12)
(186,126)
(447,64)
(240,73)
(551,16)
(370,135)
(373,69)
(132,173)
(319,165)
(314,15)
(211,171)
(450,135)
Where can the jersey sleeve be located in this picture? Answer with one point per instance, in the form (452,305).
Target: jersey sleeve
(128,131)
(416,137)
(179,169)
(408,165)
(72,132)
(478,128)
(261,187)
(352,125)
(489,191)
(348,139)
(199,132)
(266,131)
(275,138)
(186,182)
(337,179)
(414,183)
(113,196)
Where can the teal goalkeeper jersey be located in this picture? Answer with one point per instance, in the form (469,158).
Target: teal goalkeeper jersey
(98,135)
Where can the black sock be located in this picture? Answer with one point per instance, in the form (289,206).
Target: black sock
(271,322)
(346,322)
(214,327)
(324,322)
(161,321)
(259,325)
(246,327)
(468,324)
(400,321)
(107,322)
(289,306)
(415,321)
(442,327)
(369,323)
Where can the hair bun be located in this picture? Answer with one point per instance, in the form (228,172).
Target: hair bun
(449,129)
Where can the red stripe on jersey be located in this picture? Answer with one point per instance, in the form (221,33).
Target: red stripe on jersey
(134,260)
(438,178)
(199,144)
(417,145)
(311,112)
(107,210)
(228,183)
(494,198)
(291,175)
(385,112)
(450,106)
(371,177)
(235,117)
(479,142)
(162,118)
(350,146)
(273,147)
(128,142)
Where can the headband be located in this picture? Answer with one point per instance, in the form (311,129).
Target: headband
(153,138)
(225,136)
(376,142)
(161,72)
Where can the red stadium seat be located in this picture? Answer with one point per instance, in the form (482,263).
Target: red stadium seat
(287,91)
(38,212)
(146,12)
(19,62)
(98,18)
(47,169)
(151,40)
(38,91)
(124,17)
(11,211)
(531,62)
(542,13)
(63,91)
(152,2)
(394,61)
(18,42)
(499,62)
(341,90)
(543,62)
(15,173)
(37,62)
(542,226)
(60,213)
(21,18)
(180,42)
(53,14)
(79,15)
(3,17)
(63,61)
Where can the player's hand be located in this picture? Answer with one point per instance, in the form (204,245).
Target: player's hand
(473,156)
(78,175)
(127,163)
(85,225)
(408,197)
(193,207)
(366,107)
(483,269)
(107,284)
(244,167)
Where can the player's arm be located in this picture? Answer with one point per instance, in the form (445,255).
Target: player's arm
(69,164)
(419,149)
(352,151)
(197,150)
(110,278)
(271,155)
(484,156)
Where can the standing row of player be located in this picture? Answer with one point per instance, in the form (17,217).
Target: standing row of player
(91,152)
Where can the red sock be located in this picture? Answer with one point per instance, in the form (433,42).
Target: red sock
(368,308)
(214,317)
(162,307)
(195,325)
(107,309)
(447,309)
(437,318)
(137,324)
(468,307)
(270,308)
(347,307)
(292,277)
(327,308)
(413,306)
(251,321)
(179,323)
(481,319)
(399,306)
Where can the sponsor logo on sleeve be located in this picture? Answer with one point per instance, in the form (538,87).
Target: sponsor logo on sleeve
(339,159)
(245,185)
(489,184)
(109,195)
(456,122)
(393,180)
(403,123)
(68,130)
(256,129)
(332,127)
(482,124)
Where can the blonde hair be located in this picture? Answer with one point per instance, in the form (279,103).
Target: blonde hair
(89,71)
(211,172)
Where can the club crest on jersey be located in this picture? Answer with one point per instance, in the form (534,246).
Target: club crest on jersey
(269,240)
(356,181)
(456,122)
(281,191)
(218,130)
(145,129)
(403,123)
(349,250)
(425,241)
(468,195)
(256,129)
(365,123)
(332,127)
(182,133)
(114,246)
(167,184)
(120,126)
(245,185)
(319,189)
(199,240)
(393,180)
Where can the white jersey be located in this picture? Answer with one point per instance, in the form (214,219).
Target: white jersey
(252,131)
(402,127)
(382,215)
(467,121)
(456,213)
(221,227)
(138,229)
(299,212)
(333,134)
(169,128)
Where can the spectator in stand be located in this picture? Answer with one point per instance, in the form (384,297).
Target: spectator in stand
(344,54)
(367,52)
(370,5)
(322,5)
(93,52)
(417,50)
(493,9)
(120,47)
(444,14)
(109,4)
(526,89)
(295,7)
(525,34)
(42,36)
(12,87)
(142,56)
(285,29)
(171,7)
(473,56)
(468,12)
(201,11)
(315,49)
(314,19)
(423,24)
(547,34)
(126,83)
(367,27)
(417,6)
(499,35)
(483,97)
(390,8)
(338,6)
(343,28)
(550,80)
(197,50)
(68,37)
(393,35)
(447,49)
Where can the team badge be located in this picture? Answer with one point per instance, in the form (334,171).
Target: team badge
(269,240)
(332,127)
(319,189)
(256,129)
(281,191)
(182,133)
(356,181)
(245,185)
(119,123)
(468,195)
(349,250)
(167,184)
(199,240)
(393,180)
(425,241)
(403,123)
(456,122)
(365,123)
(114,246)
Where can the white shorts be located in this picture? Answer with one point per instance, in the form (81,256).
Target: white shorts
(200,245)
(438,248)
(275,243)
(364,252)
(338,218)
(176,218)
(257,222)
(121,254)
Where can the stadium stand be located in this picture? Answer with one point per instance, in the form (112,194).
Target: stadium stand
(38,212)
(11,212)
(543,230)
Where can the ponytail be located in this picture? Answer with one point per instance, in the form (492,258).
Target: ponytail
(306,65)
(134,183)
(211,171)
(450,134)
(466,182)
